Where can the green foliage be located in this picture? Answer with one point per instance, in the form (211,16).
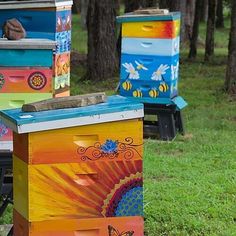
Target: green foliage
(190,183)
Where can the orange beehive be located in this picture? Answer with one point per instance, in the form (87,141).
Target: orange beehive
(78,171)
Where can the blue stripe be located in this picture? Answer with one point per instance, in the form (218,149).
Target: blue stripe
(138,18)
(28,57)
(113,104)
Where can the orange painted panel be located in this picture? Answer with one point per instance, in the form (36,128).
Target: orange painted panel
(25,80)
(151,29)
(122,140)
(91,189)
(124,226)
(63,94)
(61,64)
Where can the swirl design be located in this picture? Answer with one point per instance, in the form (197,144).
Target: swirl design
(110,150)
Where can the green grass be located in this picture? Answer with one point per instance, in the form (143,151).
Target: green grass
(190,183)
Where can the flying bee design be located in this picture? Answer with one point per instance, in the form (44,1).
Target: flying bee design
(163,87)
(137,93)
(127,85)
(153,93)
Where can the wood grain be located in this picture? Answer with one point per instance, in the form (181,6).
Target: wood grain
(65,102)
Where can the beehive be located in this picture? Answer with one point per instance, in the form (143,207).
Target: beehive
(150,57)
(46,19)
(78,171)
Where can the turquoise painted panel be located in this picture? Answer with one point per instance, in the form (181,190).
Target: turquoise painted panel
(149,46)
(27,57)
(164,101)
(148,89)
(149,68)
(130,17)
(38,24)
(113,104)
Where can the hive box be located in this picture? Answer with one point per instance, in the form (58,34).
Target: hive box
(150,57)
(78,171)
(47,19)
(25,71)
(41,18)
(31,52)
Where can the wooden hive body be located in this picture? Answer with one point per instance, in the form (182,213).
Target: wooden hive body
(150,57)
(87,174)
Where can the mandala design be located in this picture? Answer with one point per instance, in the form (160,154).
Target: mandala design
(126,198)
(37,81)
(110,149)
(2,80)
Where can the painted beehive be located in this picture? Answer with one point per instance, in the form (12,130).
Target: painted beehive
(25,71)
(150,57)
(48,19)
(78,171)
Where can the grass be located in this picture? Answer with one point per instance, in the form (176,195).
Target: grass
(190,183)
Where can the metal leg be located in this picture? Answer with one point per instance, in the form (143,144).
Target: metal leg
(167,127)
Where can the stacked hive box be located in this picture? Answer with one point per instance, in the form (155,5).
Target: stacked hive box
(25,76)
(150,57)
(74,174)
(47,19)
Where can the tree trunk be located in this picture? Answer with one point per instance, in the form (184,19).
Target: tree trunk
(220,14)
(210,41)
(204,11)
(75,7)
(230,82)
(194,38)
(149,3)
(101,22)
(131,5)
(83,13)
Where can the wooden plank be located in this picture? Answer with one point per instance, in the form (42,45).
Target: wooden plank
(65,102)
(151,11)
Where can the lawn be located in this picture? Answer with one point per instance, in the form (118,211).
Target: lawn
(190,183)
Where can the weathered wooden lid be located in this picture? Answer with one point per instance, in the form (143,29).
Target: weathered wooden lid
(117,108)
(149,15)
(22,4)
(27,44)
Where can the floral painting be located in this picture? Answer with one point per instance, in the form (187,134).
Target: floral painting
(158,74)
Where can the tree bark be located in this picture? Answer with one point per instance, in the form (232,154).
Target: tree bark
(194,38)
(83,13)
(101,24)
(230,82)
(220,14)
(210,39)
(131,5)
(149,3)
(204,11)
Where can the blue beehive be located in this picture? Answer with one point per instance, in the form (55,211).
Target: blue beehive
(150,57)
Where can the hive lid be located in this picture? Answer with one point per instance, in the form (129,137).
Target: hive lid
(116,108)
(27,44)
(134,17)
(22,4)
